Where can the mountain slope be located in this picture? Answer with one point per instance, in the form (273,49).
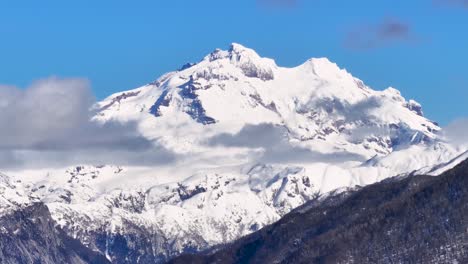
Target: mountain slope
(419,219)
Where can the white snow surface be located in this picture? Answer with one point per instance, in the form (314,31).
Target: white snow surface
(219,192)
(13,195)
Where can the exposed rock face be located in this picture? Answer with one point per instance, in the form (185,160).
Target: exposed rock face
(415,107)
(419,219)
(29,235)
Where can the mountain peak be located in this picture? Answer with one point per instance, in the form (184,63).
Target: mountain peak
(250,63)
(322,60)
(235,52)
(236,47)
(323,67)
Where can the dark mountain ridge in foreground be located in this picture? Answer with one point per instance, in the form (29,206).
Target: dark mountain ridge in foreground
(30,235)
(417,219)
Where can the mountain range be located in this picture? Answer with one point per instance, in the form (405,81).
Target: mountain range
(247,142)
(412,219)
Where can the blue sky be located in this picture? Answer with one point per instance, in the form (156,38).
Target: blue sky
(418,46)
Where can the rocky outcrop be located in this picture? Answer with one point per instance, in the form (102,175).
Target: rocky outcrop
(29,235)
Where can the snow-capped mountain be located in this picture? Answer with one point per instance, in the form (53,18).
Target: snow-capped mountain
(253,141)
(317,102)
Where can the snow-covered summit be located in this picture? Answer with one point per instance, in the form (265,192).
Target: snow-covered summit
(319,103)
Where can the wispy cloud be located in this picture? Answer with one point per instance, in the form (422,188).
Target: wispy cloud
(276,146)
(49,123)
(278,3)
(389,31)
(456,132)
(453,3)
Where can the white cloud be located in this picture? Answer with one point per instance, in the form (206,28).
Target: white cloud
(277,148)
(49,124)
(456,132)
